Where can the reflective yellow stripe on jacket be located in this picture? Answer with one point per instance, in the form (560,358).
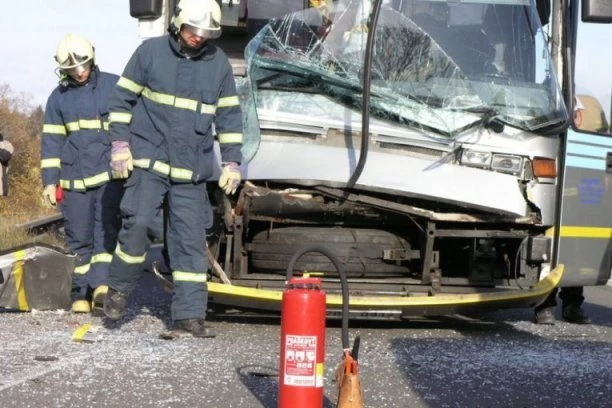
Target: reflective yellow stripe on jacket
(55,129)
(196,277)
(164,169)
(181,103)
(50,163)
(130,85)
(178,102)
(91,124)
(230,138)
(120,117)
(86,182)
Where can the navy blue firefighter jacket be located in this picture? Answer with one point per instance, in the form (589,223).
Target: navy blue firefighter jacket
(169,106)
(75,147)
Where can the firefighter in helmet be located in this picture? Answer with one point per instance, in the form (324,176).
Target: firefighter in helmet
(176,94)
(75,159)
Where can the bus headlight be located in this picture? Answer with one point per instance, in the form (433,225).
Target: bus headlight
(475,158)
(507,164)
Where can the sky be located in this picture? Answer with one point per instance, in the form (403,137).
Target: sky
(31,29)
(594,63)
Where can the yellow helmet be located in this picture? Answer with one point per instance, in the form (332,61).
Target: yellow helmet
(202,17)
(73,52)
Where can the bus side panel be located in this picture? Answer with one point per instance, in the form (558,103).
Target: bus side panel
(585,235)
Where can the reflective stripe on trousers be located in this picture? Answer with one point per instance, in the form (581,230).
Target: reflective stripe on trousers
(91,222)
(189,215)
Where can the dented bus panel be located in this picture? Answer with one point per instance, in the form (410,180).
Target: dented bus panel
(436,167)
(446,201)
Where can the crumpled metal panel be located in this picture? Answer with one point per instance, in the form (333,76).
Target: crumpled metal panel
(35,277)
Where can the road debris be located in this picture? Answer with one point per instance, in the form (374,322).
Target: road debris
(86,333)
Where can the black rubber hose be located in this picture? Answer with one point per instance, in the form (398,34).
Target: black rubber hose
(340,268)
(365,111)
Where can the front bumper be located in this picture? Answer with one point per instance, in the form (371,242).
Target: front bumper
(393,306)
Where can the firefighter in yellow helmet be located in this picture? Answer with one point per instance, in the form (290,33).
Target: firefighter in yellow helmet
(75,155)
(173,92)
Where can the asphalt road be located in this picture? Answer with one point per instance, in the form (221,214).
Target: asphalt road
(499,359)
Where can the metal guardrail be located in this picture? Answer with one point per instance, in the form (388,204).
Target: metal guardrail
(43,225)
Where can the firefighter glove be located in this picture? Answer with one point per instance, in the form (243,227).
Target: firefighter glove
(121,160)
(49,195)
(230,177)
(6,145)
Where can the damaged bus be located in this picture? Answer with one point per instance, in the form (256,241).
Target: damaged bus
(428,144)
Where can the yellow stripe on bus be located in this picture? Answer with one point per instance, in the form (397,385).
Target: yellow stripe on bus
(582,232)
(543,287)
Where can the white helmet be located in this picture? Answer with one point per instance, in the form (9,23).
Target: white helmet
(74,52)
(202,17)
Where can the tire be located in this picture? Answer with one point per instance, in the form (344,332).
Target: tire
(361,251)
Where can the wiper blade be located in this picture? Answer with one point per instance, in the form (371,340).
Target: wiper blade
(485,111)
(317,78)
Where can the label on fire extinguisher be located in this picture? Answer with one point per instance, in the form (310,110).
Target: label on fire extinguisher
(301,368)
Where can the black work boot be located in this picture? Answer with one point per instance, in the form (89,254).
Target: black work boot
(196,327)
(575,314)
(545,316)
(114,304)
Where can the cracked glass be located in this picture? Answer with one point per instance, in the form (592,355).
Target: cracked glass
(439,67)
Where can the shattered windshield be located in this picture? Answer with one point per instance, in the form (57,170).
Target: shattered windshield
(438,66)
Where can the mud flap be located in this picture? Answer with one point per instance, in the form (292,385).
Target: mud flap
(35,277)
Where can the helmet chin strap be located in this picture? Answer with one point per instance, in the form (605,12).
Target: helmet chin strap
(188,50)
(65,79)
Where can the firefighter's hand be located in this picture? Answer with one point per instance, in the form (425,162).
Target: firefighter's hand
(121,160)
(230,178)
(6,145)
(49,195)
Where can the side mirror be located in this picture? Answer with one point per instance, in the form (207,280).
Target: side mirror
(597,11)
(146,9)
(544,8)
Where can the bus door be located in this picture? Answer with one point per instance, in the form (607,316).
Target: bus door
(585,232)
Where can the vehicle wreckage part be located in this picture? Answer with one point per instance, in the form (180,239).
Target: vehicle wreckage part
(35,277)
(84,333)
(379,239)
(360,249)
(394,306)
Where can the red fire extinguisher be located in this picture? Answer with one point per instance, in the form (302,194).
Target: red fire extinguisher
(303,311)
(302,344)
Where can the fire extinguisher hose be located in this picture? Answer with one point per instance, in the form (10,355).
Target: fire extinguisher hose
(344,284)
